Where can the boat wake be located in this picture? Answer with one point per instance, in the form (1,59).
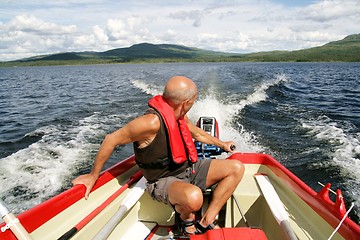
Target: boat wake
(344,152)
(224,110)
(46,167)
(147,88)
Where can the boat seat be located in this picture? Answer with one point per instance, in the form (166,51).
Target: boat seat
(231,233)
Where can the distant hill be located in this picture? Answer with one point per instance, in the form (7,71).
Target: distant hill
(147,50)
(143,52)
(345,50)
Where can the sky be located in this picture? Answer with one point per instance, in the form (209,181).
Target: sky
(30,28)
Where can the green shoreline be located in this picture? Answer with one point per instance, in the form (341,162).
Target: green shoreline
(345,50)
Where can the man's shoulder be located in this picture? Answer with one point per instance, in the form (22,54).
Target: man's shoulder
(151,120)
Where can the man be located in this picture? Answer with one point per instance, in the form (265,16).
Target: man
(172,177)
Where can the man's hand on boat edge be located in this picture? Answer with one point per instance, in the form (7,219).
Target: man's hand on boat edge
(88,180)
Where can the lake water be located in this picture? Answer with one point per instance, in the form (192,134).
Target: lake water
(53,119)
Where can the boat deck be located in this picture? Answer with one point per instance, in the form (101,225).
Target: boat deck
(149,219)
(147,214)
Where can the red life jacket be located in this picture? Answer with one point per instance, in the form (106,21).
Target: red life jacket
(180,139)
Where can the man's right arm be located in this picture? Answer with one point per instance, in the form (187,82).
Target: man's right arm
(104,153)
(139,129)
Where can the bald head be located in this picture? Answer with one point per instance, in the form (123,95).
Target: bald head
(179,89)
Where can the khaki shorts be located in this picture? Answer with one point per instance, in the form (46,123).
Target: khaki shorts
(159,189)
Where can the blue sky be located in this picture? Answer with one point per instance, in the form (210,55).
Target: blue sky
(29,28)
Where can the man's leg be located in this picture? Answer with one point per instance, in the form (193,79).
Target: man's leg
(227,173)
(187,199)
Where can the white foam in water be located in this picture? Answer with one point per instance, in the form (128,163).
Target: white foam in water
(33,174)
(224,113)
(259,94)
(147,88)
(345,153)
(210,107)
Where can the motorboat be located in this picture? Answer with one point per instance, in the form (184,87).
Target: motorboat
(270,202)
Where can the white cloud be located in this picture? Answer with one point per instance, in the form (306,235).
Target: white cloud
(27,35)
(117,29)
(194,16)
(125,32)
(330,10)
(28,23)
(31,28)
(100,34)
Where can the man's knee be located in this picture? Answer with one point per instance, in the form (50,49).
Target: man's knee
(194,198)
(237,169)
(186,195)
